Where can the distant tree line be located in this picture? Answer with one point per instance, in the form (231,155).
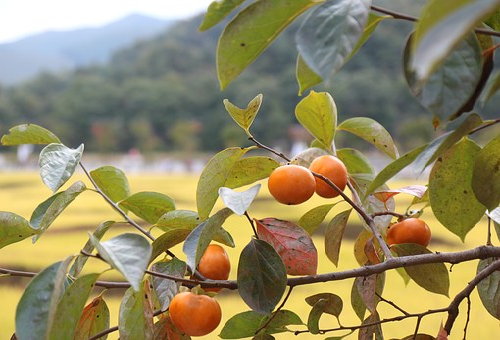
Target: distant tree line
(163,95)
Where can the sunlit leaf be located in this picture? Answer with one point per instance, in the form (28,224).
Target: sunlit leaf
(312,219)
(394,168)
(251,31)
(71,306)
(128,253)
(217,11)
(94,319)
(149,206)
(334,234)
(28,134)
(213,177)
(244,117)
(371,25)
(446,141)
(57,164)
(355,161)
(318,114)
(371,131)
(36,309)
(414,190)
(306,77)
(331,33)
(292,243)
(112,181)
(261,276)
(450,189)
(452,83)
(239,202)
(80,260)
(486,175)
(249,170)
(166,289)
(136,314)
(441,26)
(305,157)
(14,228)
(489,289)
(433,277)
(46,212)
(198,240)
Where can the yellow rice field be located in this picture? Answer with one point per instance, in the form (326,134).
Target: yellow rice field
(22,192)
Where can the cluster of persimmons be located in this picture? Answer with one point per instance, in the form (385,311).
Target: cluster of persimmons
(198,314)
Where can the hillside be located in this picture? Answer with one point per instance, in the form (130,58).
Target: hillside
(56,51)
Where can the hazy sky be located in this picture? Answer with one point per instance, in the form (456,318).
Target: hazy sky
(19,18)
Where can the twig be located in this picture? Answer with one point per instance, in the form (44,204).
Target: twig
(103,333)
(488,124)
(383,213)
(252,224)
(265,147)
(280,307)
(391,304)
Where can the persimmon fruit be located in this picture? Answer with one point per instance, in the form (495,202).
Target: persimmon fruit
(332,168)
(195,315)
(215,265)
(291,184)
(410,230)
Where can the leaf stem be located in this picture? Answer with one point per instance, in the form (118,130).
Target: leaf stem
(280,307)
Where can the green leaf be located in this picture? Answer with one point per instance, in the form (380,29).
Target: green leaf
(47,211)
(433,277)
(292,243)
(149,206)
(94,319)
(217,11)
(330,34)
(372,132)
(305,157)
(493,87)
(333,305)
(244,117)
(239,202)
(444,142)
(333,236)
(441,26)
(393,169)
(261,276)
(281,319)
(80,260)
(166,289)
(450,189)
(371,25)
(198,240)
(306,77)
(318,114)
(13,228)
(71,306)
(452,83)
(486,175)
(178,219)
(57,164)
(251,31)
(136,314)
(128,253)
(112,182)
(355,161)
(314,316)
(35,312)
(214,176)
(28,134)
(489,289)
(312,219)
(167,240)
(249,170)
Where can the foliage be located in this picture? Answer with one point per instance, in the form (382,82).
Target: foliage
(281,255)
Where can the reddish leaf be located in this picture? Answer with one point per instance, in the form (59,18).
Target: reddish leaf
(415,190)
(442,335)
(94,319)
(292,243)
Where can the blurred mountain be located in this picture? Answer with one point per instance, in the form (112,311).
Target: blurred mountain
(56,51)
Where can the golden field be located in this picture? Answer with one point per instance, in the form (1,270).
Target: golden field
(21,192)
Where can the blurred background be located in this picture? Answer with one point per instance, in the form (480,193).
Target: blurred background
(135,81)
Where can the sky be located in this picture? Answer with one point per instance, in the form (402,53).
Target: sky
(20,18)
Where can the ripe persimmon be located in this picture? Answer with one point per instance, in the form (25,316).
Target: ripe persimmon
(332,168)
(215,265)
(410,230)
(195,315)
(291,184)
